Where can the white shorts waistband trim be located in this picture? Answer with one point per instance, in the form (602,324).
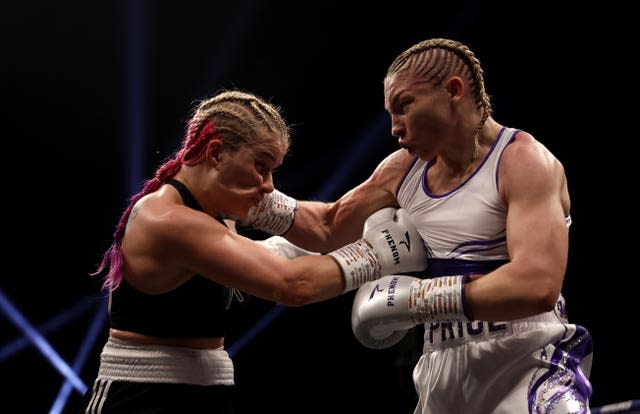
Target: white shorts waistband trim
(129,361)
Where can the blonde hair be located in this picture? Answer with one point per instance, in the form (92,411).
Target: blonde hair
(434,60)
(234,118)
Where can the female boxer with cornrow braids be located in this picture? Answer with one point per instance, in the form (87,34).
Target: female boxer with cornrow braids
(174,266)
(434,60)
(492,206)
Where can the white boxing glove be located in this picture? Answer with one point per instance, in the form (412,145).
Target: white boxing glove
(380,315)
(274,214)
(284,248)
(383,310)
(390,244)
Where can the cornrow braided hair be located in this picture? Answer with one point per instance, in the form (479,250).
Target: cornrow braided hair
(234,118)
(434,60)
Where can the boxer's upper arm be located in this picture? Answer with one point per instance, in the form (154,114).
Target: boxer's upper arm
(323,227)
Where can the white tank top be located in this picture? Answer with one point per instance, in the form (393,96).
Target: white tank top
(464,229)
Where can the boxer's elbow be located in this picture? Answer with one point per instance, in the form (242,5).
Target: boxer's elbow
(544,294)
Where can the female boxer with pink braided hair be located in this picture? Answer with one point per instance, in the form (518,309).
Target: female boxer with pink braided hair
(174,265)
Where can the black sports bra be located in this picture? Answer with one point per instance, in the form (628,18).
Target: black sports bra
(195,309)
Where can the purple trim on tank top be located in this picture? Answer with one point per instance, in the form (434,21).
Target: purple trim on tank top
(478,246)
(406,173)
(427,165)
(568,353)
(513,137)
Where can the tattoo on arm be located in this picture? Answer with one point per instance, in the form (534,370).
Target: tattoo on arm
(134,213)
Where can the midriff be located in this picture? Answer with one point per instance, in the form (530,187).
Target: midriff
(199,343)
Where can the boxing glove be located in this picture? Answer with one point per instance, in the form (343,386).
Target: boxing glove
(380,315)
(383,310)
(274,214)
(284,248)
(390,244)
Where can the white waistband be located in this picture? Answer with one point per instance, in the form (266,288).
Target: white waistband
(129,361)
(446,334)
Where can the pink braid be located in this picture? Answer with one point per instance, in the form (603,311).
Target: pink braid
(191,153)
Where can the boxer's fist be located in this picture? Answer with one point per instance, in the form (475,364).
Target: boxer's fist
(380,315)
(383,310)
(274,214)
(390,244)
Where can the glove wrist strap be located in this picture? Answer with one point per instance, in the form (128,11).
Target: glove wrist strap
(358,262)
(440,299)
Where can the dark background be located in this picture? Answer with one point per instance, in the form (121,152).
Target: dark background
(72,95)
